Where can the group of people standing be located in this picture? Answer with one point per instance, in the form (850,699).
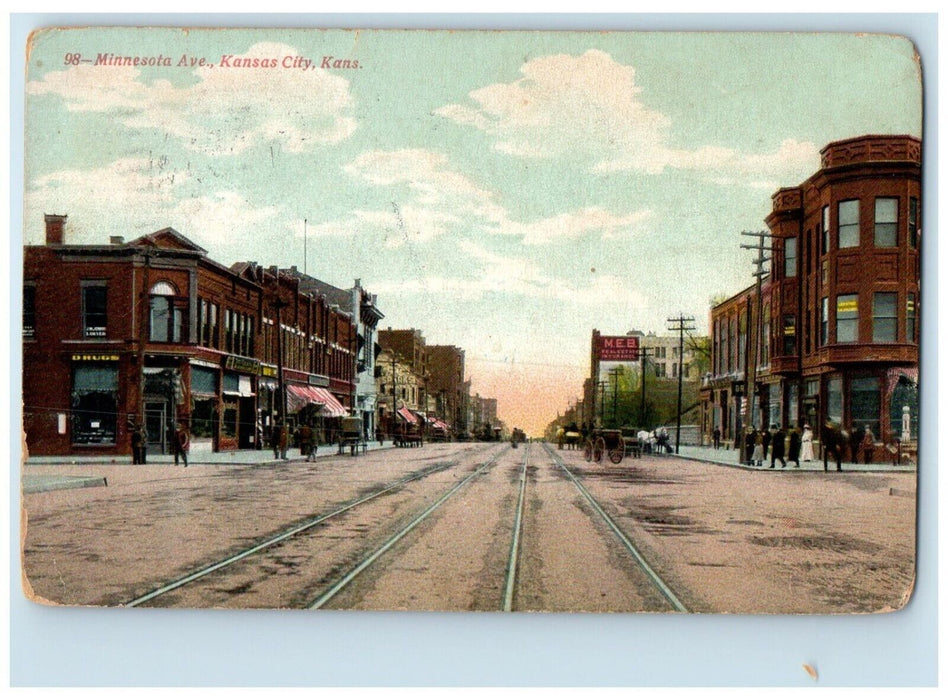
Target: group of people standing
(781,446)
(305,436)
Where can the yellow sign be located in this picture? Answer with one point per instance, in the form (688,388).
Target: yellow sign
(95,358)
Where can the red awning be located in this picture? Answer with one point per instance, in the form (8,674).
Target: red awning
(299,396)
(407,415)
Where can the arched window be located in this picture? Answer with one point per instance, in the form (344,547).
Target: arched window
(165,321)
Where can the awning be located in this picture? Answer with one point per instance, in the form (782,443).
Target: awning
(298,396)
(407,415)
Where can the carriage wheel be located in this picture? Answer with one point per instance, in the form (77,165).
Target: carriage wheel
(598,450)
(588,452)
(617,453)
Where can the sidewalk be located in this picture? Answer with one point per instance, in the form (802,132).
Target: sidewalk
(730,458)
(262,457)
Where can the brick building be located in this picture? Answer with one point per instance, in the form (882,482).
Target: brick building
(833,334)
(446,365)
(154,331)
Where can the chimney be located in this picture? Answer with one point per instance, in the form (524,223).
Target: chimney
(117,240)
(55,223)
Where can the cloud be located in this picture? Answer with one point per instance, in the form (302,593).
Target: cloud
(225,111)
(135,196)
(589,106)
(573,224)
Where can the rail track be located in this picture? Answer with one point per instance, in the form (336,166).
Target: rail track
(288,534)
(656,580)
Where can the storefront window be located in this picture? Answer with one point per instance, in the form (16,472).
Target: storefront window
(904,395)
(203,417)
(865,403)
(229,424)
(94,404)
(834,400)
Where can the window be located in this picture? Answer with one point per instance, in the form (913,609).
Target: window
(826,229)
(847,318)
(910,319)
(94,404)
(93,310)
(790,257)
(848,223)
(824,321)
(29,311)
(764,353)
(165,321)
(865,404)
(913,222)
(834,400)
(887,222)
(885,323)
(789,334)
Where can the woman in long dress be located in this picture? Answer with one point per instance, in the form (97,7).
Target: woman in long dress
(806,452)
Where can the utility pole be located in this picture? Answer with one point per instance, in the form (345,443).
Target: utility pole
(680,324)
(614,380)
(602,402)
(750,373)
(279,305)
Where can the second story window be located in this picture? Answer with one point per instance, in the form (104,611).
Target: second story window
(848,223)
(887,222)
(94,313)
(790,257)
(885,326)
(29,311)
(910,319)
(166,323)
(913,222)
(789,334)
(847,318)
(826,229)
(824,321)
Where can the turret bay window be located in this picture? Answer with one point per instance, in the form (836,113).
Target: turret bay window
(789,334)
(847,318)
(913,222)
(166,321)
(885,322)
(94,309)
(910,319)
(887,222)
(826,229)
(848,223)
(790,257)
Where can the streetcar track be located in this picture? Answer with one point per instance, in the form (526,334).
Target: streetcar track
(334,589)
(283,536)
(514,556)
(652,575)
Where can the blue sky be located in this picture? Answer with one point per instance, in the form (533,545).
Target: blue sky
(506,192)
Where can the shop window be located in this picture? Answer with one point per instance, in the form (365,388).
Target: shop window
(203,417)
(94,312)
(910,319)
(790,257)
(834,400)
(848,223)
(904,395)
(94,404)
(847,318)
(229,422)
(887,222)
(865,403)
(885,325)
(29,311)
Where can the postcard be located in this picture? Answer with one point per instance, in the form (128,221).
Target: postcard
(428,320)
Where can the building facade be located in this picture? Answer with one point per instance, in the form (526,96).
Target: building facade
(832,332)
(447,384)
(154,332)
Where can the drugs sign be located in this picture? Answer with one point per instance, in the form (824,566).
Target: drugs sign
(618,348)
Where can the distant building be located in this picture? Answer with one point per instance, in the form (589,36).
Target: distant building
(446,364)
(833,334)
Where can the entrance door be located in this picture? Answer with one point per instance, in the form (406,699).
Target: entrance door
(156,424)
(246,423)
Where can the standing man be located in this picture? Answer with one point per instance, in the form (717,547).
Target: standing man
(830,438)
(180,442)
(306,441)
(778,450)
(765,440)
(868,445)
(716,436)
(793,451)
(138,444)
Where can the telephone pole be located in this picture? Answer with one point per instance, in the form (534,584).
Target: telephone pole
(753,348)
(680,324)
(614,380)
(643,356)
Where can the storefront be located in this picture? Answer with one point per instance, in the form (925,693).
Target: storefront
(94,399)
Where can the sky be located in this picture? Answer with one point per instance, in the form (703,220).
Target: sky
(505,192)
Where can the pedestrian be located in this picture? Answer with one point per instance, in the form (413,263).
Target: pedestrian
(180,442)
(758,456)
(306,442)
(831,439)
(855,442)
(793,450)
(275,439)
(138,444)
(778,449)
(716,435)
(750,441)
(767,439)
(806,451)
(868,445)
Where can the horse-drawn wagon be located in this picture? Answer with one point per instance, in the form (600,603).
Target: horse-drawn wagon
(351,435)
(616,444)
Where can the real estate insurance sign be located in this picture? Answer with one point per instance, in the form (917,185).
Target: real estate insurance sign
(618,348)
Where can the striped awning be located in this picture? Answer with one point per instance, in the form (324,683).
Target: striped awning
(407,415)
(299,396)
